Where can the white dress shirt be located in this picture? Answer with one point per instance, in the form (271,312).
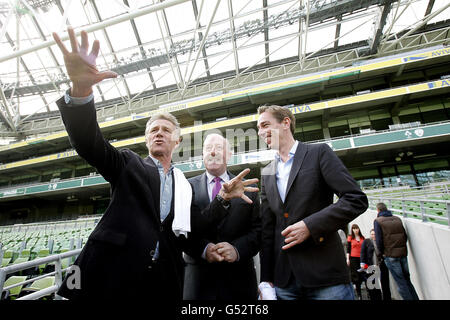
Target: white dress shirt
(283,171)
(210,184)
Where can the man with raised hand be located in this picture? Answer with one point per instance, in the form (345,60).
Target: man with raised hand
(135,251)
(220,264)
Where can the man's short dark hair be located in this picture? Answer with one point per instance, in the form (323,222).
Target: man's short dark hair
(381,207)
(279,113)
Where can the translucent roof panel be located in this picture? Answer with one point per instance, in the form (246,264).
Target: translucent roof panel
(407,14)
(221,61)
(184,11)
(110,8)
(75,14)
(141,43)
(119,41)
(113,88)
(29,105)
(139,82)
(251,51)
(354,29)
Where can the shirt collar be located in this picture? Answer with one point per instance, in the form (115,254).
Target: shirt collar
(224,177)
(159,164)
(291,152)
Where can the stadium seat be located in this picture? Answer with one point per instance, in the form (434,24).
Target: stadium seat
(5,261)
(40,284)
(41,254)
(13,292)
(25,253)
(8,254)
(20,260)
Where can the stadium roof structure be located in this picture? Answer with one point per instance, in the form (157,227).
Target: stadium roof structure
(157,46)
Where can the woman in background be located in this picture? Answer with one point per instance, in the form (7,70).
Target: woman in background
(354,242)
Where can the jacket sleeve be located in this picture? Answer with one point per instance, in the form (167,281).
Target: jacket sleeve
(195,246)
(249,244)
(378,237)
(86,138)
(203,220)
(352,201)
(349,246)
(267,257)
(364,253)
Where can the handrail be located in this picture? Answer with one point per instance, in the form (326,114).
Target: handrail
(52,224)
(34,263)
(38,183)
(408,193)
(40,293)
(423,206)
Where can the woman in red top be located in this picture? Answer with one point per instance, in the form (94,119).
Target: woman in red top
(354,242)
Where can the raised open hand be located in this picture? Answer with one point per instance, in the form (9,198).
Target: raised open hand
(81,65)
(236,187)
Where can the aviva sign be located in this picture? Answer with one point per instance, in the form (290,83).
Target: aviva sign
(439,84)
(427,55)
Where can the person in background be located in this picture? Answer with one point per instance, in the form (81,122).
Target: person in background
(343,236)
(391,241)
(354,242)
(368,258)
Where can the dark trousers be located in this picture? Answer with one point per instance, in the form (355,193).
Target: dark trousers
(374,294)
(385,281)
(357,277)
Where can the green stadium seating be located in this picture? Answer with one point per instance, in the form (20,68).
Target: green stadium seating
(5,261)
(14,292)
(25,253)
(8,254)
(40,284)
(20,260)
(41,254)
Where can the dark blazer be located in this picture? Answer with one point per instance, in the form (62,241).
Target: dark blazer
(242,229)
(116,262)
(367,250)
(316,175)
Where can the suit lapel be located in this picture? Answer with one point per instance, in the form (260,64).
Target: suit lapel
(202,189)
(233,203)
(153,175)
(296,165)
(271,184)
